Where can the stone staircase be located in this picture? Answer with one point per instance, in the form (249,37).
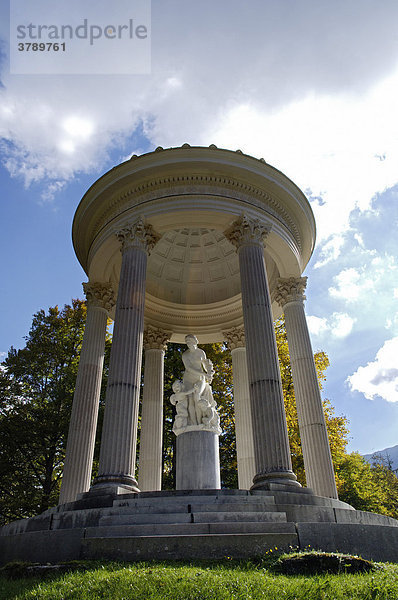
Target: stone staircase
(201,526)
(197,524)
(196,516)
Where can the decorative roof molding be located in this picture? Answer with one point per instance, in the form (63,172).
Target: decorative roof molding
(194,184)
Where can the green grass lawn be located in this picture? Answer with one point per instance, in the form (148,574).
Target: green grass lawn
(223,580)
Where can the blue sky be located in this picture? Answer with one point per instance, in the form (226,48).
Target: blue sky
(311,86)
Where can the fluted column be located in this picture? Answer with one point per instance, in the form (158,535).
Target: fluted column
(271,443)
(83,423)
(151,437)
(314,438)
(243,419)
(119,436)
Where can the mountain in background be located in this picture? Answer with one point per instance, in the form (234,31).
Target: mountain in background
(390,453)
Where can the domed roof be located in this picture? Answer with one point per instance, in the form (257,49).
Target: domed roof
(191,195)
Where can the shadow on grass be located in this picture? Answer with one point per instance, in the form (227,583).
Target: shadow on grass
(319,563)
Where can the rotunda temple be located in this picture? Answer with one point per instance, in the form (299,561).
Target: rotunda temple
(212,243)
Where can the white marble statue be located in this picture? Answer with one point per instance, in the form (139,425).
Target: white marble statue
(193,397)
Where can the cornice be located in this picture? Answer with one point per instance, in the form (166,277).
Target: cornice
(183,188)
(179,173)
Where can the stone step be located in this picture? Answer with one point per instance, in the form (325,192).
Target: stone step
(167,529)
(150,508)
(299,497)
(193,499)
(145,518)
(189,493)
(195,517)
(278,495)
(239,517)
(308,513)
(296,513)
(308,499)
(235,507)
(206,546)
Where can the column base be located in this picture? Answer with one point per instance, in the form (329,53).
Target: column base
(285,478)
(109,482)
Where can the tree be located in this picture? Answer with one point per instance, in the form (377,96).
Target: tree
(36,392)
(386,478)
(370,487)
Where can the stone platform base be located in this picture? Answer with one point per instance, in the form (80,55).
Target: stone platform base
(198,461)
(197,524)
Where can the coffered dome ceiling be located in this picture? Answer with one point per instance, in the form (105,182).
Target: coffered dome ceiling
(194,266)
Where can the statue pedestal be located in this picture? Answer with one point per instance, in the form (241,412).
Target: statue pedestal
(198,461)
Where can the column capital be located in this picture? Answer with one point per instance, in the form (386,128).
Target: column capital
(247,232)
(100,295)
(138,235)
(290,289)
(155,338)
(235,338)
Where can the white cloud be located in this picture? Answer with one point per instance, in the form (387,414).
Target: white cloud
(338,325)
(358,237)
(322,144)
(368,284)
(75,132)
(174,82)
(391,323)
(316,96)
(78,127)
(67,146)
(342,324)
(350,285)
(379,378)
(330,250)
(52,190)
(317,325)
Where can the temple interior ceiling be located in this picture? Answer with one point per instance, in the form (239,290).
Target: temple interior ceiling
(194,266)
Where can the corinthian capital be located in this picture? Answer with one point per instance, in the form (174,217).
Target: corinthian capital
(290,289)
(246,231)
(100,295)
(138,235)
(235,338)
(155,338)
